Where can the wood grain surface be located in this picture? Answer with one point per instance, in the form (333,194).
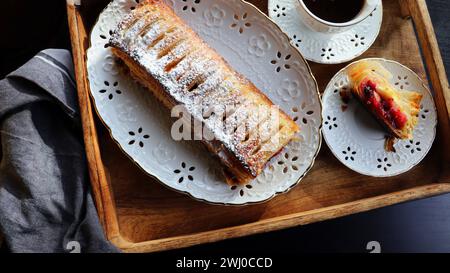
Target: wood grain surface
(139,214)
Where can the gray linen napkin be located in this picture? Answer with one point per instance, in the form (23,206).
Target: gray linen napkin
(45,198)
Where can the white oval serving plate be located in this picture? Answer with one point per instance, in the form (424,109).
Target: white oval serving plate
(254,46)
(326,48)
(357,139)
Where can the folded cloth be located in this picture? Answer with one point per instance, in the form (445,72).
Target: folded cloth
(45,197)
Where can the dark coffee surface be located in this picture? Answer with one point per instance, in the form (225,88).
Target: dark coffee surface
(336,11)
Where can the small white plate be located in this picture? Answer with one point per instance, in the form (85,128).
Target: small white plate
(254,46)
(357,139)
(326,48)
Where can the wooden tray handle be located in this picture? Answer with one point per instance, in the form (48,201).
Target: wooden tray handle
(103,198)
(418,11)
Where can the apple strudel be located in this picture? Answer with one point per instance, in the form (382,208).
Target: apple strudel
(165,55)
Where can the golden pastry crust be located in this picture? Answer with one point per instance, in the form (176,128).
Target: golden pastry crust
(396,109)
(179,68)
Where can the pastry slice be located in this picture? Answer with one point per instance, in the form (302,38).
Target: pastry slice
(163,53)
(396,109)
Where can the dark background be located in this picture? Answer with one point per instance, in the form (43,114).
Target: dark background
(27,26)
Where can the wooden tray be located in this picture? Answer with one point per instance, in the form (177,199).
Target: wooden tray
(140,215)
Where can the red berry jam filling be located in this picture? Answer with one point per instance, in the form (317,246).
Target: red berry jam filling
(384,108)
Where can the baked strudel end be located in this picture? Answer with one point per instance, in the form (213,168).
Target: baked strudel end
(179,68)
(396,109)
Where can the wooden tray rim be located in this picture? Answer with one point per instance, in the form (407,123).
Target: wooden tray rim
(104,200)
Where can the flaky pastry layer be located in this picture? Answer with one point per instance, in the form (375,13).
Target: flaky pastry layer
(179,68)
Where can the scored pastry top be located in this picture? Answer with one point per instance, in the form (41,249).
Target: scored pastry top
(242,119)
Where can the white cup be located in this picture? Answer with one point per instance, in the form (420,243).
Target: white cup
(320,25)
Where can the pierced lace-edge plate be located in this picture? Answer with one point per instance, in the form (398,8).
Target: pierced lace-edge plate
(254,46)
(326,48)
(357,139)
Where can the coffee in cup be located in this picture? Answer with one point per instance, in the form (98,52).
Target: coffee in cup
(336,11)
(335,15)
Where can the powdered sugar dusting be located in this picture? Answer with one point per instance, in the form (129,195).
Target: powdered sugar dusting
(201,82)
